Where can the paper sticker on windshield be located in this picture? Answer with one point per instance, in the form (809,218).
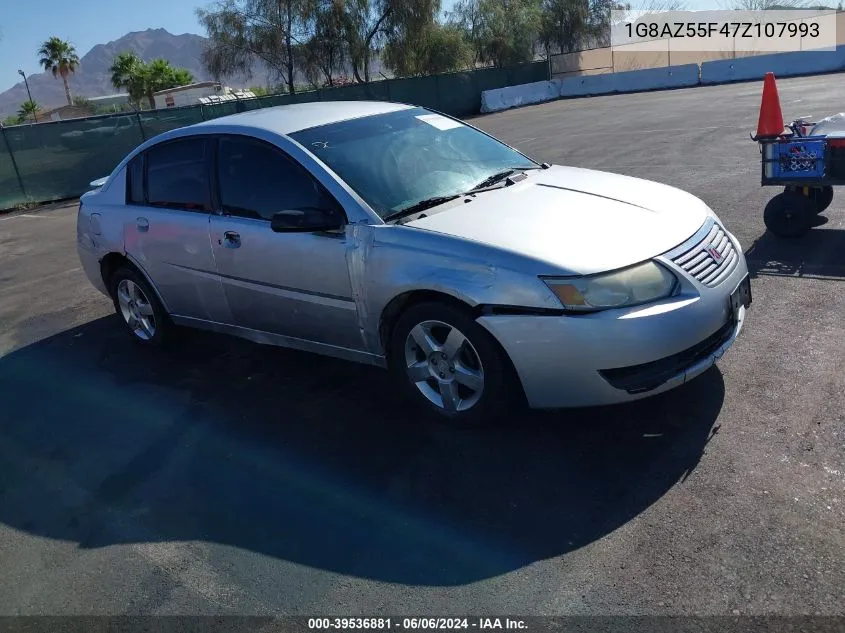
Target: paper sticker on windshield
(439,121)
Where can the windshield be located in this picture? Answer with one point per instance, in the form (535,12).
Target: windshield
(396,160)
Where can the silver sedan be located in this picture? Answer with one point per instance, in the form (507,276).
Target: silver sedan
(392,235)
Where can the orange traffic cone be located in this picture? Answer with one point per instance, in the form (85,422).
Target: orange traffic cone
(770,123)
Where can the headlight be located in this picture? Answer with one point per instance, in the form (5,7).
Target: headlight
(622,288)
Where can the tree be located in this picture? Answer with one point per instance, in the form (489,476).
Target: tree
(325,52)
(83,103)
(160,75)
(503,32)
(241,32)
(28,110)
(466,17)
(428,50)
(60,58)
(446,50)
(181,77)
(364,24)
(140,80)
(127,73)
(573,25)
(407,31)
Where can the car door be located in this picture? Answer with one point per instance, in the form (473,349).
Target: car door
(293,284)
(166,231)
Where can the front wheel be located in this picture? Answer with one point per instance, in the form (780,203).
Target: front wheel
(451,365)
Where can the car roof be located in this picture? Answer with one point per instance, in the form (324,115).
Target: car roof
(288,119)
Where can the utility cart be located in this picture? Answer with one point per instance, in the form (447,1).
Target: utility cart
(807,166)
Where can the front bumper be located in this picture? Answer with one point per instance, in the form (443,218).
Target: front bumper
(621,355)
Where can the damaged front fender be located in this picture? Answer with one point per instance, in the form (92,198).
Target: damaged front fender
(387,262)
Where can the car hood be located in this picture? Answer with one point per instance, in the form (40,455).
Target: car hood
(580,220)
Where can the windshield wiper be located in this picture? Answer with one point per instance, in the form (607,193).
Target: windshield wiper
(428,203)
(502,175)
(492,180)
(422,205)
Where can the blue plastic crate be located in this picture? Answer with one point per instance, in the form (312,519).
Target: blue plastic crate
(793,160)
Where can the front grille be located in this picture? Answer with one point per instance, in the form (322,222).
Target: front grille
(649,376)
(700,262)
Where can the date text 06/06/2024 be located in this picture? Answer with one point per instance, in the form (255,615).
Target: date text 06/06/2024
(415,624)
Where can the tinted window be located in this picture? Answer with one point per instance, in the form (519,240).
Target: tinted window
(396,159)
(176,175)
(257,180)
(135,180)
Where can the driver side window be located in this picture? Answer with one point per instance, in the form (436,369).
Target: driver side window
(257,181)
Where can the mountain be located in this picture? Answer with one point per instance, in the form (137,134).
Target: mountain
(92,78)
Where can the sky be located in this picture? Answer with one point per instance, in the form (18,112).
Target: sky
(86,23)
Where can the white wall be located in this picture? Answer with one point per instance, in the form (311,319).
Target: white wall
(185,97)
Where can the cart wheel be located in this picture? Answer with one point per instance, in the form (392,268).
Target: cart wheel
(789,214)
(821,196)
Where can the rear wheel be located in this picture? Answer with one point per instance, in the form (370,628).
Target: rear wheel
(790,214)
(451,365)
(137,304)
(822,197)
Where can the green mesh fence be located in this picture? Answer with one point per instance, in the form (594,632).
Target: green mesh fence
(458,94)
(11,193)
(420,91)
(219,109)
(527,73)
(276,100)
(490,79)
(56,160)
(160,121)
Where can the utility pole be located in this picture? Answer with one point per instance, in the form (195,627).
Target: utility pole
(28,94)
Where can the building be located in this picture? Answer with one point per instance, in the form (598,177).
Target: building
(110,101)
(186,95)
(63,113)
(232,95)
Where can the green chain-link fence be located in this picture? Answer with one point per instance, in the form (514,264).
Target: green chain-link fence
(57,160)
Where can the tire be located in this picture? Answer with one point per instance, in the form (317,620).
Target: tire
(136,302)
(822,197)
(489,388)
(790,214)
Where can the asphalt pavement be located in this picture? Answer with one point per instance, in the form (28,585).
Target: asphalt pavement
(226,478)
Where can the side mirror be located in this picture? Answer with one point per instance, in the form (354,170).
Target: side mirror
(305,220)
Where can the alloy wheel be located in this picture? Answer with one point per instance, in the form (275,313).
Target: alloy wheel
(136,309)
(444,366)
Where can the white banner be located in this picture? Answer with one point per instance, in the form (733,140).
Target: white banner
(739,31)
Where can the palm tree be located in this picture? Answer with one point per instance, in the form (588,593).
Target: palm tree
(28,109)
(182,77)
(60,58)
(127,72)
(160,75)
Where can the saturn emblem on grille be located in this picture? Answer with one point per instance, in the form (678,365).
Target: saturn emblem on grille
(716,255)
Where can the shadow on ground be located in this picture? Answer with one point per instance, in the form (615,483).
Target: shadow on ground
(314,461)
(820,254)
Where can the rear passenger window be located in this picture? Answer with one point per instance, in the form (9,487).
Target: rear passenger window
(176,175)
(135,181)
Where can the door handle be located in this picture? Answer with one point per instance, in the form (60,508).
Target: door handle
(230,240)
(143,224)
